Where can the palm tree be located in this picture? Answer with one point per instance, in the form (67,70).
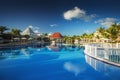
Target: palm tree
(70,40)
(84,37)
(113,31)
(15,32)
(101,32)
(65,38)
(90,37)
(118,28)
(44,34)
(101,29)
(2,29)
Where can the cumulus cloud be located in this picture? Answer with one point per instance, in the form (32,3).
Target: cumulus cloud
(77,13)
(118,23)
(106,21)
(86,31)
(30,26)
(53,25)
(35,29)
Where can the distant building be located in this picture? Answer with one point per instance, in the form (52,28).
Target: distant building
(98,37)
(97,34)
(76,41)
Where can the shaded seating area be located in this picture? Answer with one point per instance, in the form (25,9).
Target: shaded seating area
(56,38)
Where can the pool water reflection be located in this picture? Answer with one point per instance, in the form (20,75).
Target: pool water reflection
(108,70)
(61,63)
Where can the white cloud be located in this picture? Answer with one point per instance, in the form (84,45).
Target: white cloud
(53,25)
(118,23)
(77,13)
(86,31)
(74,68)
(106,21)
(30,26)
(35,29)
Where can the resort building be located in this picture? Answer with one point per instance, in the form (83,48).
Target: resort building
(57,37)
(28,31)
(76,41)
(98,37)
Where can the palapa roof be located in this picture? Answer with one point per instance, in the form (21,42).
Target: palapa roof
(28,31)
(56,35)
(118,39)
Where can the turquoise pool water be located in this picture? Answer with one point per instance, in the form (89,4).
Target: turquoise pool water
(61,63)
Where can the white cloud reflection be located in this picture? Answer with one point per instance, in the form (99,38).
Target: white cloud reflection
(74,68)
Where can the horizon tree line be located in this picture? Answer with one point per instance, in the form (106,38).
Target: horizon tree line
(112,32)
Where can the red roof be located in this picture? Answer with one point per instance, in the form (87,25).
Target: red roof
(56,35)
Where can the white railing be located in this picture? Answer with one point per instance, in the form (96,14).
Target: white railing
(106,45)
(110,52)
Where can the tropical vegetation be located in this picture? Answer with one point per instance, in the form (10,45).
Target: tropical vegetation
(112,33)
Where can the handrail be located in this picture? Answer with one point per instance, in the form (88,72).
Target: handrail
(111,54)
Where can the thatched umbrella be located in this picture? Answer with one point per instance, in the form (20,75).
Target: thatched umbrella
(23,38)
(30,39)
(118,39)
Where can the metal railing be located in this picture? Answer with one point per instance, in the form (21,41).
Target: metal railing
(110,52)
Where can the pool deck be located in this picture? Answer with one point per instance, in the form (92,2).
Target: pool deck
(103,60)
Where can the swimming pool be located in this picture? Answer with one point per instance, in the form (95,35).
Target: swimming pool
(61,63)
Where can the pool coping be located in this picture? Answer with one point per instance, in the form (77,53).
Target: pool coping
(103,60)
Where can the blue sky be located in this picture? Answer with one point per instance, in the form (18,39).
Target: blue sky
(69,17)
